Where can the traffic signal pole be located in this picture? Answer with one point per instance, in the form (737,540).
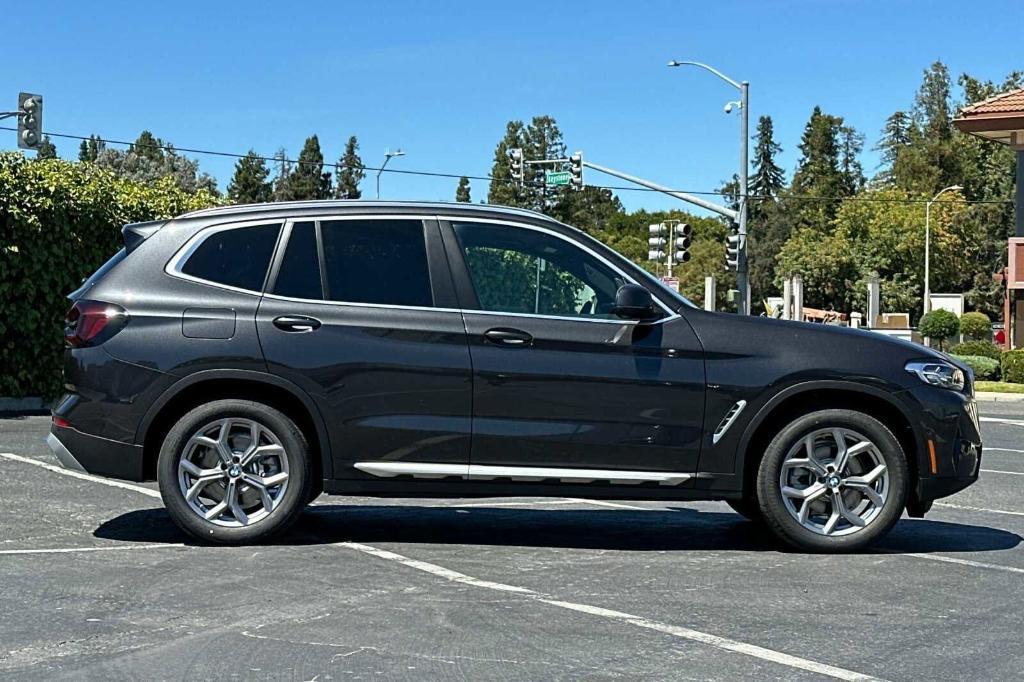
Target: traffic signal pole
(683,196)
(742,279)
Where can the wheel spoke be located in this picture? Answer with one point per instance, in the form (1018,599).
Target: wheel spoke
(830,525)
(868,478)
(811,492)
(261,452)
(231,496)
(801,463)
(215,511)
(867,491)
(261,487)
(809,450)
(842,452)
(840,506)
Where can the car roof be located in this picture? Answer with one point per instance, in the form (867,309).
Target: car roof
(374,206)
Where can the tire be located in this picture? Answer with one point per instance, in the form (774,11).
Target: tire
(747,508)
(824,509)
(222,469)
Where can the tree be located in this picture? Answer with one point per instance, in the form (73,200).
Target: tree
(819,175)
(895,137)
(284,173)
(308,180)
(768,178)
(504,191)
(349,172)
(46,150)
(976,326)
(462,191)
(589,208)
(939,325)
(91,148)
(851,144)
(150,159)
(250,184)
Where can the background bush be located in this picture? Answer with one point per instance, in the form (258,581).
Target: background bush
(59,221)
(939,325)
(984,368)
(1013,366)
(976,326)
(985,349)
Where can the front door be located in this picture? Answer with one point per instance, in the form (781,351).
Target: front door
(360,314)
(558,380)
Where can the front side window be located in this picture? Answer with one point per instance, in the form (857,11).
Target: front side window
(518,270)
(236,257)
(376,261)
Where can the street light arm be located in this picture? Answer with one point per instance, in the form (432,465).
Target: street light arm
(708,68)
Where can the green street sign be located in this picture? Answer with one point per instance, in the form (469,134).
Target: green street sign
(557,177)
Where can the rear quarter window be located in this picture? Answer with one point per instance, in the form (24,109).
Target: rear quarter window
(236,257)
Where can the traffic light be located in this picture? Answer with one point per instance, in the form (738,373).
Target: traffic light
(516,156)
(30,120)
(657,242)
(732,248)
(576,170)
(684,237)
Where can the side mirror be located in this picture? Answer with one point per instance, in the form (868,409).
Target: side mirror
(633,302)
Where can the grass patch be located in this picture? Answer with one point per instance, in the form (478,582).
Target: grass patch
(998,387)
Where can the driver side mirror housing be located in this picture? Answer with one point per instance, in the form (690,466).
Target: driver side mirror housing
(634,302)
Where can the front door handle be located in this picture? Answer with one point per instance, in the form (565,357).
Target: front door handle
(296,323)
(508,337)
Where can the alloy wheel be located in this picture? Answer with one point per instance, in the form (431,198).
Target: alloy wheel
(834,482)
(233,472)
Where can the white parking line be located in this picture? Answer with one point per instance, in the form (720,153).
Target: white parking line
(1000,420)
(1004,450)
(78,474)
(638,621)
(997,471)
(962,562)
(78,550)
(965,507)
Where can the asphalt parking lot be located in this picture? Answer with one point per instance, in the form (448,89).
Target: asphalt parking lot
(96,583)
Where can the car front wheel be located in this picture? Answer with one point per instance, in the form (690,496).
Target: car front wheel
(832,481)
(234,471)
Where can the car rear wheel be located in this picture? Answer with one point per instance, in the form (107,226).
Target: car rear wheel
(234,471)
(832,481)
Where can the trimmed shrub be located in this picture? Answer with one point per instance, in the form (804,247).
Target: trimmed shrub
(939,325)
(976,326)
(1013,366)
(986,349)
(984,368)
(59,221)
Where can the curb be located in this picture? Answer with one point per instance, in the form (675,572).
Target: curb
(984,396)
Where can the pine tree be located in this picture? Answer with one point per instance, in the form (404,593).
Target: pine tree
(768,178)
(349,172)
(819,172)
(462,191)
(46,149)
(250,185)
(504,191)
(851,144)
(91,148)
(932,104)
(148,147)
(308,180)
(284,174)
(895,137)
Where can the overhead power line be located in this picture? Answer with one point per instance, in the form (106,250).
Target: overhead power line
(488,178)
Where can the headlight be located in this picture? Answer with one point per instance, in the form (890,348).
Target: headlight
(938,374)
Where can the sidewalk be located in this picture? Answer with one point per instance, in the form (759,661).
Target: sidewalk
(985,396)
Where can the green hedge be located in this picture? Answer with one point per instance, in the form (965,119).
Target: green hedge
(986,349)
(984,368)
(1013,366)
(59,221)
(976,326)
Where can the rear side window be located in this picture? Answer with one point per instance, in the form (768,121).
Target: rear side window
(299,275)
(235,257)
(376,261)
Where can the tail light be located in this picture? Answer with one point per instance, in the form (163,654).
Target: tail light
(90,323)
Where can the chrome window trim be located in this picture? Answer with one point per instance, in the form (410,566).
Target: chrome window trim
(671,314)
(174,265)
(181,256)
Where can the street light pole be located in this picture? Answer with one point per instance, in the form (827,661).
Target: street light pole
(927,244)
(388,155)
(742,281)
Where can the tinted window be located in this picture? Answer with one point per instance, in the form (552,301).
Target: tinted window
(299,276)
(237,257)
(376,261)
(517,270)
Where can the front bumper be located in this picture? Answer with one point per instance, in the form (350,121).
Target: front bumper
(81,452)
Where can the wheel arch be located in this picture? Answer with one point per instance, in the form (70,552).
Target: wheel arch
(208,385)
(821,395)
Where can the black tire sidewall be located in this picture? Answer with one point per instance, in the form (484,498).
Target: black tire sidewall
(769,494)
(299,472)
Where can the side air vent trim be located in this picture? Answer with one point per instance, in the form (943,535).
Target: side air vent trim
(728,420)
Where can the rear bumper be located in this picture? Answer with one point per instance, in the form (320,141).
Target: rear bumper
(81,452)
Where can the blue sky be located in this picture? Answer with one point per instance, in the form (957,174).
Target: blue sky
(440,79)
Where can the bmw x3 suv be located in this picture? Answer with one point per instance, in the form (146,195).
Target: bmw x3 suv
(249,358)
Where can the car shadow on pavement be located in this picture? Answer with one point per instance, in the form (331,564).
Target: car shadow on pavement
(609,529)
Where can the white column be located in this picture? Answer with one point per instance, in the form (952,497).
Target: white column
(787,299)
(710,291)
(798,298)
(874,289)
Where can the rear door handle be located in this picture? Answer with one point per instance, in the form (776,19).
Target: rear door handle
(296,323)
(508,337)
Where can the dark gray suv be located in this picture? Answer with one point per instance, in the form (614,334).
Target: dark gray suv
(250,357)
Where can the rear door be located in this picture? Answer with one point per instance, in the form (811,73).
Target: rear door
(559,381)
(360,313)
